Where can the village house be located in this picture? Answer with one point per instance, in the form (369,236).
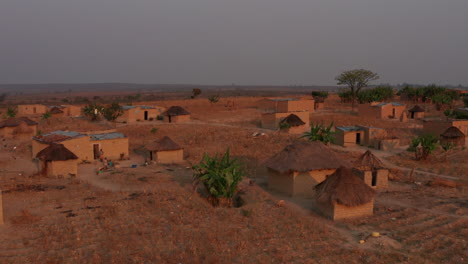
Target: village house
(32,109)
(57,161)
(38,109)
(416,112)
(273,120)
(292,124)
(165,151)
(439,126)
(286,105)
(392,110)
(371,170)
(176,114)
(453,136)
(134,113)
(56,112)
(22,127)
(349,136)
(112,145)
(299,167)
(344,195)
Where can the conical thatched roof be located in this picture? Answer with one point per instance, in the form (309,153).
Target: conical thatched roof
(344,187)
(55,110)
(293,120)
(56,152)
(369,161)
(452,132)
(304,156)
(16,121)
(165,144)
(176,111)
(416,108)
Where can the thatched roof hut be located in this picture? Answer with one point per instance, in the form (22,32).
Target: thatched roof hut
(165,144)
(302,156)
(453,135)
(55,110)
(292,120)
(416,109)
(56,152)
(176,111)
(345,188)
(16,121)
(369,161)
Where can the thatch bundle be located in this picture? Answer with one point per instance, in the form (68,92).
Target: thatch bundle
(292,120)
(16,121)
(344,187)
(176,111)
(416,109)
(56,152)
(369,161)
(452,132)
(302,156)
(165,144)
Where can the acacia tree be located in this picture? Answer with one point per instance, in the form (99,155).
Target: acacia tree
(112,112)
(93,111)
(356,80)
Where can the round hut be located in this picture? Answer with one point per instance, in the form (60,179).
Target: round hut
(165,151)
(344,195)
(18,127)
(453,136)
(176,114)
(299,167)
(416,112)
(293,124)
(371,170)
(57,161)
(56,112)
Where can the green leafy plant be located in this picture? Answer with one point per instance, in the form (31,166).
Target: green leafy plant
(220,175)
(213,99)
(93,111)
(11,112)
(46,116)
(423,146)
(112,112)
(154,130)
(319,132)
(284,125)
(320,94)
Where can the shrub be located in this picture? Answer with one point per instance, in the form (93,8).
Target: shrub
(321,133)
(220,175)
(154,130)
(160,117)
(320,94)
(284,126)
(423,146)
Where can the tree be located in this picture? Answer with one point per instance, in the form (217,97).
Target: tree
(220,175)
(93,111)
(320,94)
(356,80)
(46,116)
(321,133)
(112,112)
(442,100)
(423,146)
(377,94)
(11,112)
(195,92)
(213,99)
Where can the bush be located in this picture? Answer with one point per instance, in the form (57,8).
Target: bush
(423,146)
(321,133)
(220,176)
(320,94)
(160,117)
(154,130)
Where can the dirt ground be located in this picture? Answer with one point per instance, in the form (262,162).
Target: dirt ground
(152,214)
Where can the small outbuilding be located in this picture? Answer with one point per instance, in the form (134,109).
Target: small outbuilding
(299,167)
(371,170)
(18,127)
(56,111)
(293,124)
(176,114)
(166,151)
(453,136)
(344,195)
(416,112)
(57,161)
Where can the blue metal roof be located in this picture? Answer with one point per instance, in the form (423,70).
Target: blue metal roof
(128,107)
(349,128)
(64,133)
(105,136)
(283,99)
(393,103)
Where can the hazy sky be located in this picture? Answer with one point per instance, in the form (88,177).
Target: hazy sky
(282,42)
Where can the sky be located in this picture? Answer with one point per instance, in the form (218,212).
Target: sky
(245,42)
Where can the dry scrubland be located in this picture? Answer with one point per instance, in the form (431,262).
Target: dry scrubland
(151,214)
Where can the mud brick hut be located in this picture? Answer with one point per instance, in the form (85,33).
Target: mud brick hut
(165,151)
(57,161)
(299,167)
(56,112)
(176,114)
(18,127)
(114,145)
(319,103)
(286,105)
(32,109)
(134,113)
(371,170)
(76,142)
(453,136)
(438,126)
(349,136)
(293,124)
(272,120)
(416,112)
(392,110)
(344,195)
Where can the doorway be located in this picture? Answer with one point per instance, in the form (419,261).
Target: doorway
(394,113)
(412,115)
(374,178)
(96,151)
(169,118)
(151,155)
(358,138)
(146,115)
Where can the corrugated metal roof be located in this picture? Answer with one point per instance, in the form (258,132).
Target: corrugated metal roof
(128,107)
(64,133)
(393,103)
(105,136)
(283,99)
(349,128)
